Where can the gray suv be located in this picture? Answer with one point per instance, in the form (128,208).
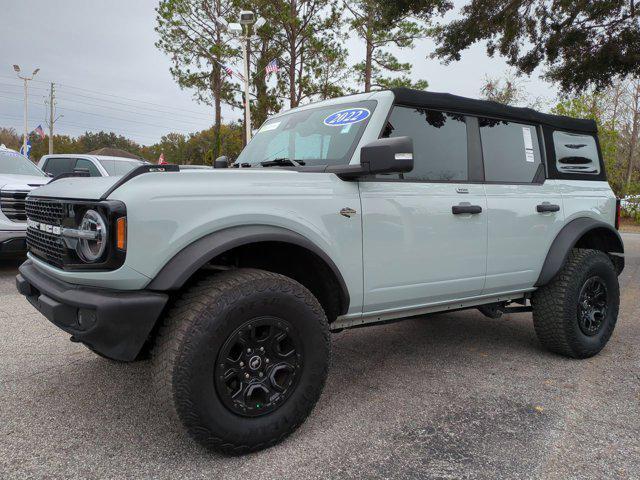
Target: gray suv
(349,212)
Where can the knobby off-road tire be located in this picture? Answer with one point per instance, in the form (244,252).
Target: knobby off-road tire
(199,351)
(561,309)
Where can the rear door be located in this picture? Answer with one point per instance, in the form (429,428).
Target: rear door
(416,250)
(525,209)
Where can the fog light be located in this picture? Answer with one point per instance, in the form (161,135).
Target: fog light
(86,318)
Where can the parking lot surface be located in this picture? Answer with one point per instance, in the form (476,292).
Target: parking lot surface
(454,395)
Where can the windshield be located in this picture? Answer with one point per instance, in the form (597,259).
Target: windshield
(316,136)
(12,163)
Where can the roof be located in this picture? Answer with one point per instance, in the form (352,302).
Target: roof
(114,152)
(455,103)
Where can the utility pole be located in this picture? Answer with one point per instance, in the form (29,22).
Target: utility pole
(52,115)
(26,80)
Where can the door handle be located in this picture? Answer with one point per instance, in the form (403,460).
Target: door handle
(547,207)
(460,209)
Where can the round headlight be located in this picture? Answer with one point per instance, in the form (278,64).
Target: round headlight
(93,236)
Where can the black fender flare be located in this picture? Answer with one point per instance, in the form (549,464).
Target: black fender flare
(194,256)
(567,239)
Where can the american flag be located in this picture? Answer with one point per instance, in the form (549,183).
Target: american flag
(228,69)
(40,132)
(272,67)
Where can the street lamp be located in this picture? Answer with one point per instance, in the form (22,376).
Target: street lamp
(26,79)
(242,29)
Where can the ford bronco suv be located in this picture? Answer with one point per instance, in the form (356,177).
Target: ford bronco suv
(348,212)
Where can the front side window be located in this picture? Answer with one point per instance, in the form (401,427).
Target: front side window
(439,143)
(13,163)
(57,166)
(576,153)
(313,137)
(511,151)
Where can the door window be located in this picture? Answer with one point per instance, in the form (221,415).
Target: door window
(439,143)
(511,151)
(57,166)
(88,165)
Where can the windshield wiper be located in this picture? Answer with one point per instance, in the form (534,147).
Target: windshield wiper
(279,162)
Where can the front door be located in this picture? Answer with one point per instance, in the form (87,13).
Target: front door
(424,232)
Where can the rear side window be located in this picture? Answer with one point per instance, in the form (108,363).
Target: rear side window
(576,153)
(57,166)
(511,152)
(88,165)
(439,143)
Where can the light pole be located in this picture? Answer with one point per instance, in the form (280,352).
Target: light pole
(242,29)
(26,80)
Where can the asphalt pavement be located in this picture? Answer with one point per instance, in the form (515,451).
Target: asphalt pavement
(454,396)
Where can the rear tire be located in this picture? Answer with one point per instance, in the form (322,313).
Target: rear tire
(228,399)
(575,314)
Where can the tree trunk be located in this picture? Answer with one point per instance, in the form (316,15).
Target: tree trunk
(634,136)
(217,92)
(292,53)
(368,62)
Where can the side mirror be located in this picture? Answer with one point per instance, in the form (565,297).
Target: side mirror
(386,155)
(221,162)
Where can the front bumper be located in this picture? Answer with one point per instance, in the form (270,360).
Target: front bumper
(12,243)
(112,322)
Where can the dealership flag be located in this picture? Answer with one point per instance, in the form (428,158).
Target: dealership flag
(28,149)
(40,132)
(161,160)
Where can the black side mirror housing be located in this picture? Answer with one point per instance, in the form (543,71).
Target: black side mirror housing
(221,162)
(386,155)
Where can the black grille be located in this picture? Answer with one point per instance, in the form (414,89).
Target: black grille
(45,211)
(47,246)
(12,204)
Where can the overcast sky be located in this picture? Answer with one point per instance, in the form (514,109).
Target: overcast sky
(110,76)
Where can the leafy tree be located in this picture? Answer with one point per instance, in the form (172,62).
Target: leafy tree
(302,32)
(9,138)
(582,43)
(198,46)
(379,32)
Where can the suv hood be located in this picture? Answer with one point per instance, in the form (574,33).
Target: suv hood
(80,188)
(19,182)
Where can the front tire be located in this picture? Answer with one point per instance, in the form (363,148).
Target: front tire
(242,358)
(575,314)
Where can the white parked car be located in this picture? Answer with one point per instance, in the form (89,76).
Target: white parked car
(95,165)
(18,176)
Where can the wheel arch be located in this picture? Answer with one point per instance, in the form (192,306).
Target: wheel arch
(177,271)
(582,232)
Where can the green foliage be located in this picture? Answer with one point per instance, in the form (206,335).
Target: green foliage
(581,43)
(379,32)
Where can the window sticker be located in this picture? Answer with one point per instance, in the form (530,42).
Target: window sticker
(528,145)
(346,128)
(347,117)
(269,126)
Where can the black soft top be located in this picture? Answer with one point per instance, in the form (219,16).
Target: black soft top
(454,103)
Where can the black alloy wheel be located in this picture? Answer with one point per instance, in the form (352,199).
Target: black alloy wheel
(592,306)
(258,366)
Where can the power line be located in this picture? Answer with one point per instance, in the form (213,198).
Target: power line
(115,96)
(102,115)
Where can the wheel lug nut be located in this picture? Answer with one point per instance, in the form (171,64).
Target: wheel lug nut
(260,374)
(242,364)
(262,349)
(266,360)
(248,350)
(246,375)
